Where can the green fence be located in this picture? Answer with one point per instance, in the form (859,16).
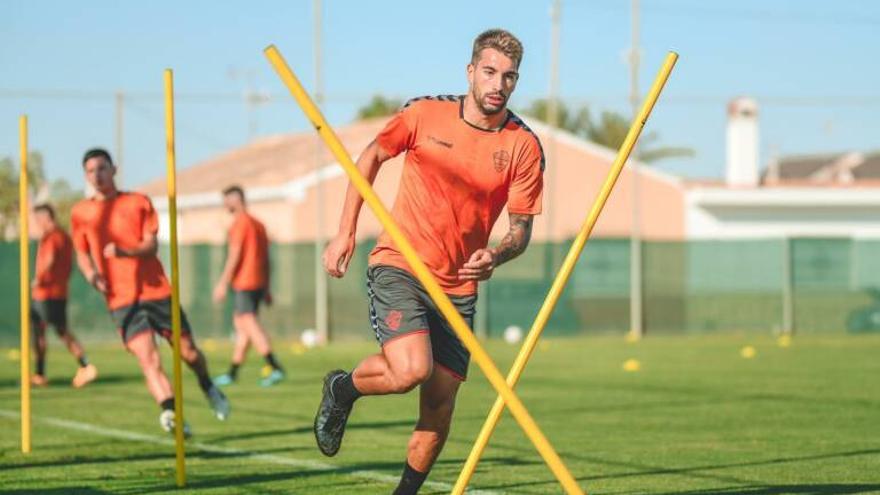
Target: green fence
(696,286)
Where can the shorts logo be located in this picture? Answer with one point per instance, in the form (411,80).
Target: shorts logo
(393,319)
(501,159)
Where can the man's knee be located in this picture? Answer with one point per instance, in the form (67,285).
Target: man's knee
(147,356)
(63,333)
(411,375)
(188,350)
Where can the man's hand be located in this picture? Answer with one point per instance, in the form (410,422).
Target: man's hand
(267,297)
(99,282)
(479,266)
(337,255)
(111,250)
(34,284)
(219,292)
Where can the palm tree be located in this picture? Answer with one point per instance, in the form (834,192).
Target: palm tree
(610,131)
(378,106)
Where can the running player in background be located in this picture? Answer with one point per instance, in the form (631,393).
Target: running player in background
(114,235)
(49,294)
(247,270)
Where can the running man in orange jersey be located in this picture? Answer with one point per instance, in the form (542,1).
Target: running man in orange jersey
(49,294)
(247,270)
(114,235)
(466,158)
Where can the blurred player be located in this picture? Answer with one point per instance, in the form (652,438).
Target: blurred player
(247,269)
(49,293)
(466,157)
(114,235)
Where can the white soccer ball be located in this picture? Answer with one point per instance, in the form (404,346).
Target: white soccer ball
(513,334)
(309,338)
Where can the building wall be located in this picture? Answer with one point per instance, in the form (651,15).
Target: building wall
(773,213)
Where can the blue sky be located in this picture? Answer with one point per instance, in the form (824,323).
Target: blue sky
(812,65)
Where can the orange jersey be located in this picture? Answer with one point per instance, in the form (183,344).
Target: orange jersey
(456,180)
(249,235)
(124,220)
(52,270)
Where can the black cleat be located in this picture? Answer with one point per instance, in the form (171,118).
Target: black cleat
(331,418)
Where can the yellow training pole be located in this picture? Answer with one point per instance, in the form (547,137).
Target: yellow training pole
(564,273)
(24,252)
(423,274)
(175,278)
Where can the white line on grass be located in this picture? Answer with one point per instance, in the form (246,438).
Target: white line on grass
(216,449)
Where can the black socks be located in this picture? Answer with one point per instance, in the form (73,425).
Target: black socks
(167,404)
(410,481)
(270,360)
(344,391)
(233,371)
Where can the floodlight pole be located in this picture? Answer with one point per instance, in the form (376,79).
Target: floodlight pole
(636,312)
(120,129)
(321,292)
(553,121)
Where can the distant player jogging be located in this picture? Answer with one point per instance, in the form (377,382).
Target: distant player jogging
(466,158)
(247,270)
(49,294)
(114,235)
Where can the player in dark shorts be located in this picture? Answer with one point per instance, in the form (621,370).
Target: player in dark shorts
(466,158)
(49,294)
(247,270)
(115,238)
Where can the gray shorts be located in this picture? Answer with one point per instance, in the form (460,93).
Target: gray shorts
(146,316)
(248,301)
(49,312)
(399,306)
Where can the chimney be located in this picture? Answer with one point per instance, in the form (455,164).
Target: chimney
(742,143)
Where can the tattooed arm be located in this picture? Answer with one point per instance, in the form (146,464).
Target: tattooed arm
(483,261)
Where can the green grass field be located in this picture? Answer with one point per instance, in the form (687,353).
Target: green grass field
(697,418)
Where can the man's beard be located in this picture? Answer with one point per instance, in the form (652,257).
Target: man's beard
(490,110)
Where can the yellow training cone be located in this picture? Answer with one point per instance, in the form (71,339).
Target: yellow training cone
(632,365)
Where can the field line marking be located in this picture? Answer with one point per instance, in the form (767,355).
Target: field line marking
(216,449)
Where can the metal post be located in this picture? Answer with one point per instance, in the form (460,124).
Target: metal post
(787,288)
(321,292)
(636,313)
(553,122)
(120,139)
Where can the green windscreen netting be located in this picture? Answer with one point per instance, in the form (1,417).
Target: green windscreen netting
(694,286)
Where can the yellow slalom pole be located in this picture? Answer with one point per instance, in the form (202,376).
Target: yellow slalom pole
(24,252)
(564,273)
(423,274)
(175,278)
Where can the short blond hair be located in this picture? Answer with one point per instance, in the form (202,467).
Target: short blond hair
(500,40)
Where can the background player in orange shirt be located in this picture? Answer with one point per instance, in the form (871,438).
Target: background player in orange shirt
(49,307)
(114,234)
(247,270)
(466,158)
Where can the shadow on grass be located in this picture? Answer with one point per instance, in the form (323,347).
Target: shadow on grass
(73,490)
(695,472)
(806,489)
(59,381)
(391,469)
(378,425)
(80,460)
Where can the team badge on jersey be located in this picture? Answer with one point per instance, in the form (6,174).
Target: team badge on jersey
(501,160)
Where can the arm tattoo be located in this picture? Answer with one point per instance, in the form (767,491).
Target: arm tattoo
(516,240)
